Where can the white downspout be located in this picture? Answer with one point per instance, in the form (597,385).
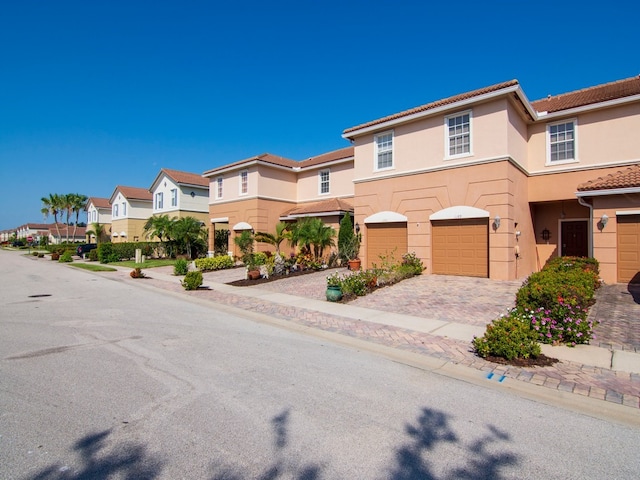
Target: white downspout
(582,202)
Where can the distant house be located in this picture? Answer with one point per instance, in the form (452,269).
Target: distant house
(131,207)
(98,211)
(258,192)
(490,184)
(63,232)
(180,194)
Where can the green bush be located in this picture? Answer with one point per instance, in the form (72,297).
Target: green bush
(214,263)
(542,289)
(93,255)
(192,280)
(181,267)
(66,257)
(411,263)
(508,337)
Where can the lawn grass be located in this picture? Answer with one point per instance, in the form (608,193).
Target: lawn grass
(148,263)
(94,267)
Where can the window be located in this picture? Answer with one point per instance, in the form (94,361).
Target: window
(115,210)
(219,187)
(244,182)
(124,209)
(384,150)
(458,132)
(324,181)
(561,142)
(159,202)
(174,197)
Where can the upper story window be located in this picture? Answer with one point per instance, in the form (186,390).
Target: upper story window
(159,201)
(124,209)
(323,178)
(115,209)
(458,135)
(561,142)
(384,150)
(219,187)
(174,197)
(244,182)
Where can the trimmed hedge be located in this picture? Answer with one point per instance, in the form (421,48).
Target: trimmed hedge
(214,263)
(115,252)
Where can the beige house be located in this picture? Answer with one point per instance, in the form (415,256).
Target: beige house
(490,184)
(258,192)
(131,207)
(180,194)
(98,211)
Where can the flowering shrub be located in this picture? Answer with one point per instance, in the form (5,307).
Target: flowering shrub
(565,323)
(508,337)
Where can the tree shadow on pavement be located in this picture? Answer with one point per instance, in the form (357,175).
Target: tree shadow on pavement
(127,460)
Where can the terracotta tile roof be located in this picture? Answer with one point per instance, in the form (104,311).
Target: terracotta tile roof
(589,96)
(436,104)
(264,157)
(329,205)
(35,226)
(327,157)
(627,178)
(186,178)
(99,202)
(135,193)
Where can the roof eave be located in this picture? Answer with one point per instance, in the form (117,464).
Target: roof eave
(585,108)
(610,191)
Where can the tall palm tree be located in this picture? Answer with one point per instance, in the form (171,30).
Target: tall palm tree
(97,231)
(78,203)
(187,230)
(160,227)
(271,239)
(53,205)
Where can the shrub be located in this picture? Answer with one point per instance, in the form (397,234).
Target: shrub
(181,267)
(508,337)
(215,263)
(93,255)
(137,273)
(192,280)
(565,323)
(542,289)
(66,257)
(411,263)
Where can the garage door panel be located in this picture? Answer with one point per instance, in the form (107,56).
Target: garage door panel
(385,238)
(628,247)
(460,247)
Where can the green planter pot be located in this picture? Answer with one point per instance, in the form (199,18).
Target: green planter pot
(334,293)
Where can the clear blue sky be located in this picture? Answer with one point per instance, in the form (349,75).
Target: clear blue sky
(95,94)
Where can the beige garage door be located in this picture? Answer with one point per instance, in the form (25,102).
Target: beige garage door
(461,247)
(383,239)
(628,247)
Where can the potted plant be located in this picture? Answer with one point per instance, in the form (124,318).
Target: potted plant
(352,251)
(334,288)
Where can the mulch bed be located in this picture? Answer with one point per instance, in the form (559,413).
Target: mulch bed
(539,361)
(272,278)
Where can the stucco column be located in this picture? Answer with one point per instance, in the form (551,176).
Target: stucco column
(212,239)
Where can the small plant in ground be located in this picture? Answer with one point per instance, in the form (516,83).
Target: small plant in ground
(192,280)
(181,267)
(136,273)
(508,337)
(66,257)
(93,255)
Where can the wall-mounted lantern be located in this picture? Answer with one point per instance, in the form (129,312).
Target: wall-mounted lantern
(496,222)
(546,234)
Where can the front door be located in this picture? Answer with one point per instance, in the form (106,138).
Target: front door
(575,241)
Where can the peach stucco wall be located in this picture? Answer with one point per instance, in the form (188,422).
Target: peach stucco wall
(276,183)
(340,182)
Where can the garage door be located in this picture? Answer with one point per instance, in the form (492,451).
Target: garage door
(628,247)
(461,247)
(383,239)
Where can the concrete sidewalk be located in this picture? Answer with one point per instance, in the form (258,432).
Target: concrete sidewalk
(592,371)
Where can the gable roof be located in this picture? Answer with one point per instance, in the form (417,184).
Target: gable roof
(183,178)
(434,105)
(340,154)
(99,202)
(588,96)
(132,193)
(627,178)
(330,205)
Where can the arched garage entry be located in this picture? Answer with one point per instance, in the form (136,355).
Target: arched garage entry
(460,242)
(386,232)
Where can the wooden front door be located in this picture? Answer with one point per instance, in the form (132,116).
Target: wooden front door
(575,242)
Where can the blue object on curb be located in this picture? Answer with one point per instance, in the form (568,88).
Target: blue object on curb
(490,376)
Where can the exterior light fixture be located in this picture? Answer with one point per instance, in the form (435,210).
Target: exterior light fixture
(357,227)
(496,222)
(603,221)
(546,234)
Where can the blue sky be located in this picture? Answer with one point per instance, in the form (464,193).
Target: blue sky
(95,94)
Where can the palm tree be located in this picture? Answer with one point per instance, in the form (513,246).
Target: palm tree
(313,234)
(187,230)
(271,239)
(160,227)
(97,231)
(78,202)
(52,205)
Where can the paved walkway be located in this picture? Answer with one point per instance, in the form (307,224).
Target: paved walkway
(438,316)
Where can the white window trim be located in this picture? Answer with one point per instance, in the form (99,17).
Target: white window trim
(219,187)
(575,158)
(159,201)
(115,210)
(375,151)
(174,197)
(447,156)
(240,192)
(328,172)
(124,209)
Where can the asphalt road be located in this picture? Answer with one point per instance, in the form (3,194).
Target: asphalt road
(102,379)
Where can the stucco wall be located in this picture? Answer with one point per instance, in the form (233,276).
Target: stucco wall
(340,182)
